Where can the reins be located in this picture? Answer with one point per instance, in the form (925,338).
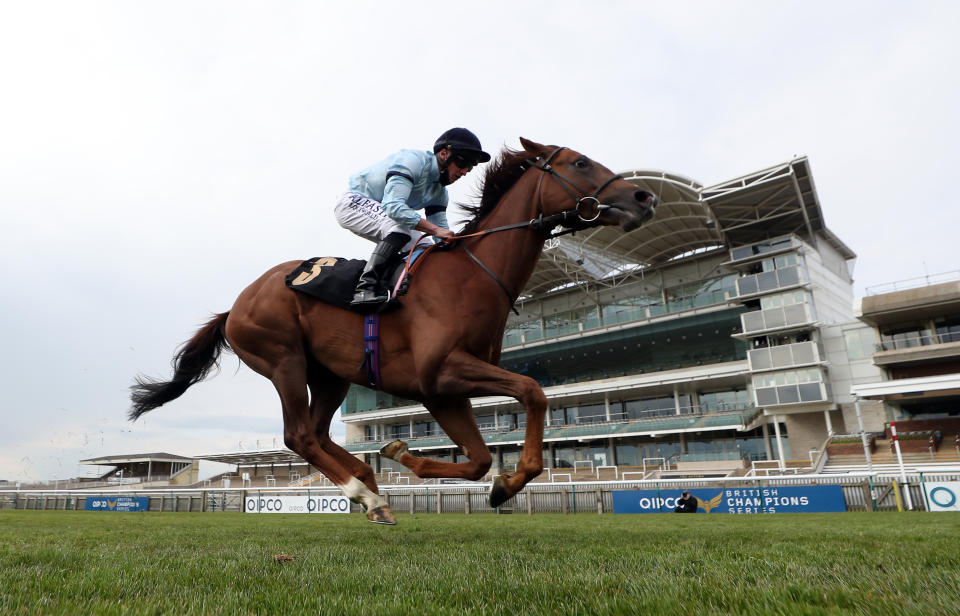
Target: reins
(542,224)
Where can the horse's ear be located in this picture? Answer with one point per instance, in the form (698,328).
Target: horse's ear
(532,147)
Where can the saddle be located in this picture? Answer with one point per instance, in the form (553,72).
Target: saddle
(333,279)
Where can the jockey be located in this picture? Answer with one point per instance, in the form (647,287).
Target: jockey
(383,202)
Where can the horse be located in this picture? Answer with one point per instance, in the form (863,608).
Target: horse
(440,348)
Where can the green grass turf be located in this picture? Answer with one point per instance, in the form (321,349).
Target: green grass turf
(57,562)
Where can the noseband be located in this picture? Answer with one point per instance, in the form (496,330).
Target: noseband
(571,188)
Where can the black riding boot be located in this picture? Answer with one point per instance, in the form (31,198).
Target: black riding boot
(369,293)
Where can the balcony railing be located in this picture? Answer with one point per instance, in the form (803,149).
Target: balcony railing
(797,393)
(914,283)
(784,356)
(766,282)
(616,419)
(779,318)
(911,342)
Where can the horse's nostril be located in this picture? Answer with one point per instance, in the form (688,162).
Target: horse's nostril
(645,198)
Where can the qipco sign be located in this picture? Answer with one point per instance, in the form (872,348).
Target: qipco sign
(296,504)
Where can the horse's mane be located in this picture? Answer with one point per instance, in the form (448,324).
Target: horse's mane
(498,178)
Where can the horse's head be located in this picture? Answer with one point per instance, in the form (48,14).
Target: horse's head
(571,181)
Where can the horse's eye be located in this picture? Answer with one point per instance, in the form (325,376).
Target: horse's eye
(581,163)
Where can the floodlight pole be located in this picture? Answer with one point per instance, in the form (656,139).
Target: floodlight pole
(903,472)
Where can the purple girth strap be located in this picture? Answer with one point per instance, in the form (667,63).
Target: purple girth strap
(371,348)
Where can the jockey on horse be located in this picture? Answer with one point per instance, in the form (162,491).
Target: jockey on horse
(383,198)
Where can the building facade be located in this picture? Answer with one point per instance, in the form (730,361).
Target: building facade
(915,331)
(714,336)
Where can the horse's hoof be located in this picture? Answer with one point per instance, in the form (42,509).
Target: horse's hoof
(381,515)
(498,493)
(394,450)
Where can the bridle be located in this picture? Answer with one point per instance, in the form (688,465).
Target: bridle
(571,188)
(570,218)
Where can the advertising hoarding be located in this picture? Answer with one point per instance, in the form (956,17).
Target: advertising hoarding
(296,504)
(780,499)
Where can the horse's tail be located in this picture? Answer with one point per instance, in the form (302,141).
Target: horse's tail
(192,363)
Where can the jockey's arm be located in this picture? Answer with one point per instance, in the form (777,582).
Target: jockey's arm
(435,230)
(395,194)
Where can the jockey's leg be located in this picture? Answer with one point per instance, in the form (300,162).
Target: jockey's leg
(369,292)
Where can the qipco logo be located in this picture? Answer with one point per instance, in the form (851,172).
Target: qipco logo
(264,504)
(943,497)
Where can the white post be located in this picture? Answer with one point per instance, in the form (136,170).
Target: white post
(826,416)
(765,427)
(776,431)
(676,399)
(903,472)
(863,436)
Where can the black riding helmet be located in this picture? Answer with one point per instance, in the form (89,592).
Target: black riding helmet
(464,144)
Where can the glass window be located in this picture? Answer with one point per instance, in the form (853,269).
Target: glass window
(767,281)
(905,337)
(628,455)
(948,329)
(766,396)
(563,457)
(788,394)
(789,276)
(599,456)
(860,343)
(785,261)
(747,286)
(760,359)
(795,314)
(486,422)
(724,400)
(810,392)
(741,253)
(592,413)
(781,356)
(774,318)
(753,321)
(803,353)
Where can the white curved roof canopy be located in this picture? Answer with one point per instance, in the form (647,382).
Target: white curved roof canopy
(690,218)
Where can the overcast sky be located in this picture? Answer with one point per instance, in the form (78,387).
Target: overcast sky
(157,157)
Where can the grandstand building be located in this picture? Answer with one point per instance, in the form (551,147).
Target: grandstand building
(714,336)
(915,331)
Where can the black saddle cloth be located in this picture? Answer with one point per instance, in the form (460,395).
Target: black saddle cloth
(334,279)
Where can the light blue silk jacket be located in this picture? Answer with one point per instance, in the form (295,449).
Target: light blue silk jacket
(403,183)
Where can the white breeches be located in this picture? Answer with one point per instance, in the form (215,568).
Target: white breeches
(366,218)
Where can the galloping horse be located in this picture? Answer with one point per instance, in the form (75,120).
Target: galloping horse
(441,348)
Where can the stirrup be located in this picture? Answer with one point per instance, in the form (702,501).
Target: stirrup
(368,299)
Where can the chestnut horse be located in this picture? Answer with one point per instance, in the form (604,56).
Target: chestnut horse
(441,348)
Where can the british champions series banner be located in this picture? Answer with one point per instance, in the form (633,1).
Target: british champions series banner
(117,503)
(783,499)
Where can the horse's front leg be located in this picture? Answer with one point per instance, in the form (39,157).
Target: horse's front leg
(455,417)
(464,374)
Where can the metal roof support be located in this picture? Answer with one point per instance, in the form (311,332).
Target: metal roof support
(803,208)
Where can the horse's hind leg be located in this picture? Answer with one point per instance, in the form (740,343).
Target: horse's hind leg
(300,434)
(326,393)
(456,418)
